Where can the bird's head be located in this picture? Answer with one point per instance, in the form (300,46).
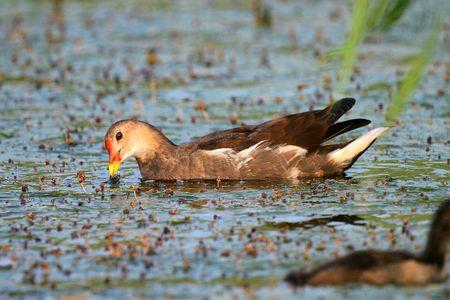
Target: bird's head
(131,138)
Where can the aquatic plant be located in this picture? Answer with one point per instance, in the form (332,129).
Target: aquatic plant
(356,34)
(367,17)
(384,14)
(415,73)
(379,16)
(262,14)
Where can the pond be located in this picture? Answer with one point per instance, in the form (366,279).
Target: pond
(69,69)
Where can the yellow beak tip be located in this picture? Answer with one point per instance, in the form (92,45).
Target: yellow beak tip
(113,168)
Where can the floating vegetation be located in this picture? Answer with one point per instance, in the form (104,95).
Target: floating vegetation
(5,135)
(346,219)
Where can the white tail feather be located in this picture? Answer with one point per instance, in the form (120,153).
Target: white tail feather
(346,155)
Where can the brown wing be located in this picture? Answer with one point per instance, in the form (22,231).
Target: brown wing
(307,130)
(235,138)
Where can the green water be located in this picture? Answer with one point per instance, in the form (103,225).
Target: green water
(81,66)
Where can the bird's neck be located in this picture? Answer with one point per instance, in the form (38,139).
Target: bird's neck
(437,244)
(163,165)
(151,142)
(153,150)
(156,155)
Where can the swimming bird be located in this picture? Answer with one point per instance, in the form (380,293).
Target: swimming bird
(285,148)
(377,267)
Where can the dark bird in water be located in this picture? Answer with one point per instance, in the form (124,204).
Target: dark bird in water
(387,267)
(285,148)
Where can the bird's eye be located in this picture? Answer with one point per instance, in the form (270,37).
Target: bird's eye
(119,136)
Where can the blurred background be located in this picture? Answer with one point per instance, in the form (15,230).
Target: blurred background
(69,69)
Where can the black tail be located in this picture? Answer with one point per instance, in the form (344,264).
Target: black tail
(333,112)
(439,236)
(343,127)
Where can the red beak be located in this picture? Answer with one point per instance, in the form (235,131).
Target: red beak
(114,158)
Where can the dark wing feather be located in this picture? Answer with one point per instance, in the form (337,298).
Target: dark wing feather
(307,130)
(343,127)
(229,138)
(333,112)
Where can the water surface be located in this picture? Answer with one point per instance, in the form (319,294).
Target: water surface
(69,69)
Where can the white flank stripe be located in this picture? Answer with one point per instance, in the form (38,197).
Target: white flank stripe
(225,152)
(246,152)
(289,148)
(293,172)
(242,158)
(245,156)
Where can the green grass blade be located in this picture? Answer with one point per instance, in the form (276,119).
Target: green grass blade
(376,14)
(356,34)
(393,13)
(415,73)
